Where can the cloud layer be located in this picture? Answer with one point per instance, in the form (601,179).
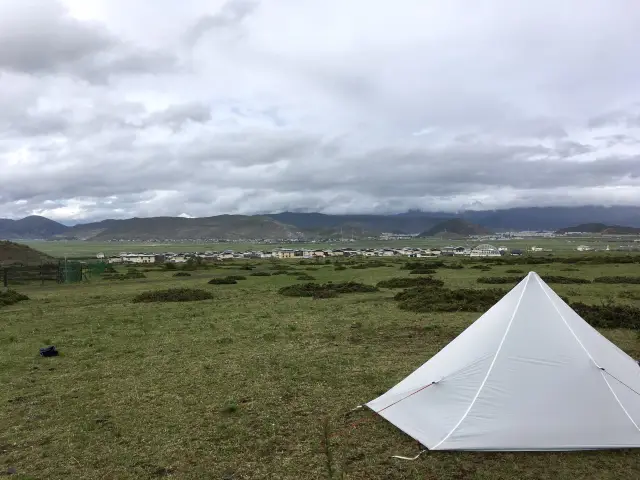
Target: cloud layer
(114,109)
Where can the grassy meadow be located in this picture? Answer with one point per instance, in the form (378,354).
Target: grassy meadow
(247,385)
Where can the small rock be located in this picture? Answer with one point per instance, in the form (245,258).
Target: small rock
(11,471)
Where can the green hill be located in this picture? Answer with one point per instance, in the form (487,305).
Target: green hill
(456,227)
(16,253)
(232,227)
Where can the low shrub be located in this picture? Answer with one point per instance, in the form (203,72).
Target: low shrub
(453,266)
(339,268)
(425,299)
(173,295)
(11,297)
(629,295)
(618,279)
(247,267)
(311,289)
(422,271)
(278,266)
(546,278)
(609,315)
(169,266)
(260,274)
(498,280)
(428,264)
(403,282)
(236,277)
(281,272)
(514,270)
(321,294)
(312,269)
(130,275)
(565,280)
(182,274)
(109,269)
(222,281)
(370,264)
(305,277)
(484,268)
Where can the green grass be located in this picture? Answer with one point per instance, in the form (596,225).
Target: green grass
(240,386)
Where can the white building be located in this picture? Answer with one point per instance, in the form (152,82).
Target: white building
(138,258)
(485,250)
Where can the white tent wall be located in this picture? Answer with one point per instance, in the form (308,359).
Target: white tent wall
(463,363)
(521,377)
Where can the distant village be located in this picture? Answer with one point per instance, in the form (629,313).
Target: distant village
(305,253)
(481,250)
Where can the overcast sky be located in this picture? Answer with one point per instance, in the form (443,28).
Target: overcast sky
(114,108)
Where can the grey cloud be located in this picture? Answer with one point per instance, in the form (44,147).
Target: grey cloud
(277,112)
(230,15)
(38,37)
(176,115)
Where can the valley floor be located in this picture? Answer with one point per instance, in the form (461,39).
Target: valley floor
(239,387)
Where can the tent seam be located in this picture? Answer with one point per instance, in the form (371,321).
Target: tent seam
(484,381)
(602,373)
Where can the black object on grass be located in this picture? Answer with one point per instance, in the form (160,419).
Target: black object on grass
(48,351)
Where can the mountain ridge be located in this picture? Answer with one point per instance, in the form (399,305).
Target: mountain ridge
(294,225)
(456,227)
(600,228)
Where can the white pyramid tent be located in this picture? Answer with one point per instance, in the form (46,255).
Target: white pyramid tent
(529,374)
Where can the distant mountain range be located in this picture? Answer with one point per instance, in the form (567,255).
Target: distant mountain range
(296,225)
(601,228)
(455,227)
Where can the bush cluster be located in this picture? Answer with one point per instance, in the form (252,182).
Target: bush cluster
(573,260)
(130,275)
(370,264)
(546,278)
(629,295)
(514,270)
(228,280)
(222,281)
(618,279)
(453,266)
(305,277)
(439,299)
(260,274)
(182,274)
(11,297)
(422,271)
(339,268)
(173,295)
(319,290)
(609,315)
(429,264)
(403,282)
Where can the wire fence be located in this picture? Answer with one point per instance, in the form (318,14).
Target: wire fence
(47,273)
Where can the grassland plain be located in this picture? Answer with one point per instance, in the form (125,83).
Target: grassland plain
(78,248)
(240,386)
